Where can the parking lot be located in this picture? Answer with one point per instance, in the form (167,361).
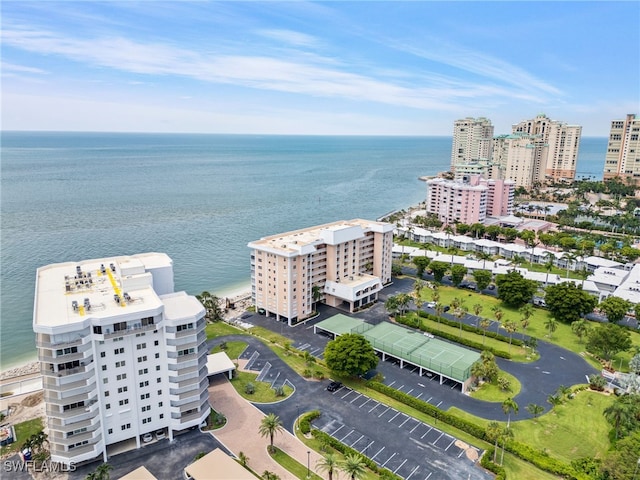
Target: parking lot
(402,444)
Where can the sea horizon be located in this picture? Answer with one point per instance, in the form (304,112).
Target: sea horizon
(200,198)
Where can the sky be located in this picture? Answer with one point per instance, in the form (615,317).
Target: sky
(330,68)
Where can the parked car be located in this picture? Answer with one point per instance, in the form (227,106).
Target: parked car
(147,437)
(160,434)
(333,386)
(431,304)
(446,308)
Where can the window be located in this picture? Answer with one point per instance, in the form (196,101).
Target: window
(120,364)
(144,384)
(140,346)
(122,389)
(157,368)
(106,394)
(144,396)
(188,326)
(107,406)
(105,380)
(158,380)
(121,376)
(104,368)
(103,354)
(159,404)
(159,392)
(146,408)
(156,343)
(157,356)
(142,359)
(118,350)
(142,371)
(125,427)
(124,402)
(161,416)
(110,431)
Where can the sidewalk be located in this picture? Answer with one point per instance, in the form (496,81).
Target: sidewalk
(240,434)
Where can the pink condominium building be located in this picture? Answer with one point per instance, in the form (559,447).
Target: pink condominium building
(345,263)
(469,200)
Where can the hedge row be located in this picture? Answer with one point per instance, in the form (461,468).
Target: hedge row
(456,339)
(536,457)
(304,421)
(347,450)
(487,463)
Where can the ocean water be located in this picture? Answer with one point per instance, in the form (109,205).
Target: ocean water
(199,198)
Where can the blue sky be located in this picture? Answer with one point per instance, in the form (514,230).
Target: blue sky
(370,68)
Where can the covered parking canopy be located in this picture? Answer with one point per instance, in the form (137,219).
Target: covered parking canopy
(220,363)
(217,465)
(337,325)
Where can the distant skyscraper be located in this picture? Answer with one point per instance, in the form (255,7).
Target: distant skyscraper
(623,150)
(472,141)
(557,145)
(517,157)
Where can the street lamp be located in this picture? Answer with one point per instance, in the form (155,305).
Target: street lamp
(308,459)
(297,422)
(636,469)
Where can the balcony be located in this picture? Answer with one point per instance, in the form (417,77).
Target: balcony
(56,425)
(136,328)
(83,371)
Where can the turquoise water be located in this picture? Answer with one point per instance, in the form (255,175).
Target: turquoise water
(199,198)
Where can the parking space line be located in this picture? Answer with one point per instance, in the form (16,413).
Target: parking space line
(436,441)
(461,452)
(377,453)
(348,392)
(401,387)
(408,418)
(414,369)
(419,395)
(337,430)
(409,392)
(368,400)
(414,471)
(417,425)
(405,461)
(439,403)
(374,407)
(430,428)
(388,408)
(355,398)
(367,447)
(398,413)
(394,454)
(427,477)
(342,439)
(391,384)
(357,440)
(448,446)
(429,401)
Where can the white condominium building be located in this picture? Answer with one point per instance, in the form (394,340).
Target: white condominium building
(472,141)
(517,157)
(557,144)
(346,263)
(121,353)
(623,150)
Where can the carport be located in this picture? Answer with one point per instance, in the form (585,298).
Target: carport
(337,325)
(220,363)
(217,465)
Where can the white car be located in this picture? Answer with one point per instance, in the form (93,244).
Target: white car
(147,437)
(160,434)
(431,304)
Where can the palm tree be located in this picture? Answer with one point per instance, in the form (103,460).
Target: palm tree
(497,313)
(548,264)
(484,257)
(493,434)
(267,475)
(552,325)
(583,273)
(506,433)
(535,409)
(621,413)
(485,323)
(316,293)
(269,426)
(508,406)
(329,463)
(569,257)
(354,466)
(211,305)
(439,308)
(526,311)
(460,313)
(580,328)
(243,459)
(102,472)
(510,326)
(477,310)
(554,400)
(404,299)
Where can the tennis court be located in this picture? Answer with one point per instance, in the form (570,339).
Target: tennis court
(413,347)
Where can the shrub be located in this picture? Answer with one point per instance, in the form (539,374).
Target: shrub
(486,462)
(250,388)
(307,373)
(305,421)
(597,382)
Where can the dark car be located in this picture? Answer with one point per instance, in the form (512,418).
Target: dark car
(333,386)
(492,287)
(446,308)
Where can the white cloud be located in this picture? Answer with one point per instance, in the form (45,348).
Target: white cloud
(290,37)
(13,68)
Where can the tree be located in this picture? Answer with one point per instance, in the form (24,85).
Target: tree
(438,269)
(515,290)
(552,325)
(354,466)
(493,432)
(534,409)
(526,311)
(506,433)
(567,302)
(350,354)
(622,414)
(580,328)
(392,305)
(482,278)
(622,463)
(615,308)
(608,339)
(269,426)
(484,325)
(267,475)
(316,293)
(508,406)
(329,463)
(497,313)
(421,264)
(486,367)
(548,265)
(510,326)
(457,274)
(634,364)
(477,310)
(243,459)
(460,313)
(211,305)
(554,400)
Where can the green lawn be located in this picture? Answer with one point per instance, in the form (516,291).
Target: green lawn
(23,431)
(263,391)
(572,430)
(233,350)
(490,392)
(293,466)
(220,329)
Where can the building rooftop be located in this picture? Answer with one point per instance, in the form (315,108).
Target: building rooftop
(304,241)
(116,287)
